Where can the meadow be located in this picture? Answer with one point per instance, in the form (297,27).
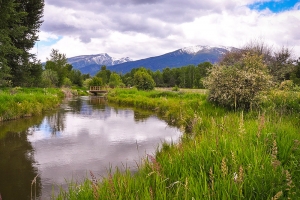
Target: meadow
(25,102)
(223,154)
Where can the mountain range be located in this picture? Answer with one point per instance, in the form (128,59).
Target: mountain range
(182,57)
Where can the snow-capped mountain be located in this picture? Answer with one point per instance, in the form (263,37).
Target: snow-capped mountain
(94,61)
(199,48)
(182,57)
(193,55)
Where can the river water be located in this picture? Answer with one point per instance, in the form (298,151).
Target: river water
(84,135)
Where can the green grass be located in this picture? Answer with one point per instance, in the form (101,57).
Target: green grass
(22,102)
(222,155)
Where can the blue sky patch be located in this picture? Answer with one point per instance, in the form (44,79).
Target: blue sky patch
(49,42)
(274,6)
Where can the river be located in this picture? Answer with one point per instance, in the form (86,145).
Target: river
(84,135)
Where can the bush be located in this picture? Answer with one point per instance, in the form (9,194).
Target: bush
(67,82)
(236,86)
(143,80)
(115,80)
(95,81)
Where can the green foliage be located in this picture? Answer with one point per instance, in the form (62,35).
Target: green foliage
(95,81)
(279,63)
(175,89)
(143,80)
(185,77)
(115,80)
(58,63)
(49,78)
(104,74)
(237,86)
(295,74)
(76,77)
(19,26)
(283,101)
(169,77)
(158,78)
(67,82)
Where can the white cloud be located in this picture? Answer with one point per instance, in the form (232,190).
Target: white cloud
(139,29)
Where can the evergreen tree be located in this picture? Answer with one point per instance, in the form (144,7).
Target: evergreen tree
(9,27)
(104,74)
(115,80)
(24,26)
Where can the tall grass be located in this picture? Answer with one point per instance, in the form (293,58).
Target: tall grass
(22,102)
(224,155)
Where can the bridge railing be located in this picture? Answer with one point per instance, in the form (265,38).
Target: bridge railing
(95,88)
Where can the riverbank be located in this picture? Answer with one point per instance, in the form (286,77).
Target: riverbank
(223,155)
(25,102)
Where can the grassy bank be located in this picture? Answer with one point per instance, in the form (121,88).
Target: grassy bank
(223,155)
(23,102)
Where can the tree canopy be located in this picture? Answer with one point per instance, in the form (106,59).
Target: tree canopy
(19,26)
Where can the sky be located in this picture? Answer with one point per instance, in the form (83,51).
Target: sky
(143,28)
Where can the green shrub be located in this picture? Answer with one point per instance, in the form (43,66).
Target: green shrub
(236,86)
(143,80)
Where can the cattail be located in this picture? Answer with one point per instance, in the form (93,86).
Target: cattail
(111,184)
(151,193)
(274,150)
(277,196)
(274,160)
(94,185)
(261,124)
(211,178)
(224,168)
(241,174)
(94,179)
(242,130)
(155,165)
(233,159)
(289,180)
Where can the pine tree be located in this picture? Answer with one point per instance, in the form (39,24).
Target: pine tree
(9,28)
(23,37)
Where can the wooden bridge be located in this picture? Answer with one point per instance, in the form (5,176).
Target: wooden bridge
(98,89)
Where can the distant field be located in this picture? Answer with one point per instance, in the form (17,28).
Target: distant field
(200,91)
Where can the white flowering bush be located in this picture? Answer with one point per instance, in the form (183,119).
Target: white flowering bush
(237,85)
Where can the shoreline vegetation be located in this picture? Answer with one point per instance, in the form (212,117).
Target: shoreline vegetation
(222,154)
(20,102)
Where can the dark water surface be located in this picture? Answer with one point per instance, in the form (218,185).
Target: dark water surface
(84,135)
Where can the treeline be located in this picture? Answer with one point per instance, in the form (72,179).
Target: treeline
(190,76)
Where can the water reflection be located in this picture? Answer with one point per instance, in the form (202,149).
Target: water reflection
(16,166)
(84,134)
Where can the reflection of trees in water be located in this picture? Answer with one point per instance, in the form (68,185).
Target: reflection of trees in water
(20,125)
(16,166)
(76,105)
(140,116)
(56,122)
(97,102)
(86,105)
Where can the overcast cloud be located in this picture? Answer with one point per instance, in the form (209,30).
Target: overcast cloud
(144,28)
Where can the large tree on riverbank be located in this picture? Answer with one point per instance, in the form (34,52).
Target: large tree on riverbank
(19,27)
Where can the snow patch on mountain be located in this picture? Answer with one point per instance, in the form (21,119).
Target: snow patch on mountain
(201,48)
(98,59)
